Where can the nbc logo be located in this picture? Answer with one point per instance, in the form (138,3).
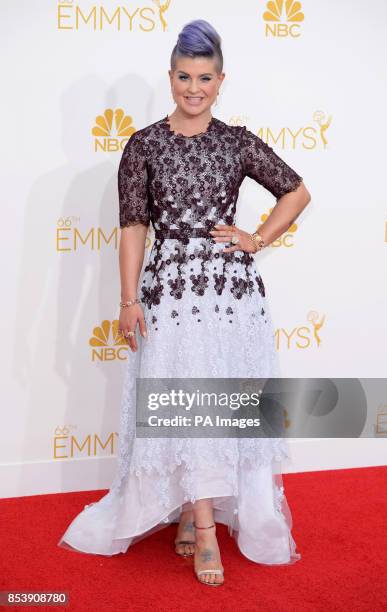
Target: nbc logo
(107,343)
(303,336)
(112,130)
(282,18)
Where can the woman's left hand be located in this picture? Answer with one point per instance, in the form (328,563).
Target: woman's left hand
(224,233)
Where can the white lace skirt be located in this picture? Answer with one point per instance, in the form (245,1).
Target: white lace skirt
(210,336)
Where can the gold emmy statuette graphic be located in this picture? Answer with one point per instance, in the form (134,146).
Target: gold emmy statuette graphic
(78,16)
(300,337)
(282,18)
(162,8)
(287,419)
(317,325)
(324,122)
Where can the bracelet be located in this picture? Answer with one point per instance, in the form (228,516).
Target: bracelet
(258,241)
(130,302)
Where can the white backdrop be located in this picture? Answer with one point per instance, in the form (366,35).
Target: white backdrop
(312,85)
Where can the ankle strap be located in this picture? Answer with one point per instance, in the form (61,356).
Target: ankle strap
(209,527)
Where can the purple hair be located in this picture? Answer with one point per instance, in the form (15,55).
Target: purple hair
(198,38)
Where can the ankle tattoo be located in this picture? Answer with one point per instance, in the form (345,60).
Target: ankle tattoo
(189,526)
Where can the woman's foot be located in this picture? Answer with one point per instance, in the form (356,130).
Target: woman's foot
(185,536)
(207,557)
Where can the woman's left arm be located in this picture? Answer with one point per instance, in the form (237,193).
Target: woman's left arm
(285,212)
(261,163)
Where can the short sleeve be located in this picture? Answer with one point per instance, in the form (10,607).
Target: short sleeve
(133,191)
(263,165)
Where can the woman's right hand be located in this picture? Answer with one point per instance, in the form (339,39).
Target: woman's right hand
(129,317)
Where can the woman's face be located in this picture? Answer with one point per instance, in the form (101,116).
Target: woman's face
(195,83)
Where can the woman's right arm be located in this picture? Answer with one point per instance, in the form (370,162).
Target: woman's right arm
(134,217)
(131,257)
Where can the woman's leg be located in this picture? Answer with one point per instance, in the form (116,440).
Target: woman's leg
(207,553)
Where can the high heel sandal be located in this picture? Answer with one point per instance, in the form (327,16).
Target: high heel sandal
(215,572)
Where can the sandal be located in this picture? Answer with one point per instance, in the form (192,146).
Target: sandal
(216,572)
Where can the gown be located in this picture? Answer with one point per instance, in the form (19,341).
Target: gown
(207,316)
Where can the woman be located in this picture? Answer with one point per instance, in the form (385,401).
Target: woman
(202,312)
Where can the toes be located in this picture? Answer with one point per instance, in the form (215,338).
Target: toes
(212,578)
(185,549)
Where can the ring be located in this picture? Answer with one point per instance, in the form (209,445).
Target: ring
(129,333)
(234,239)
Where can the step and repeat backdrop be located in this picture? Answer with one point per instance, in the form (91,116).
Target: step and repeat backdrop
(79,78)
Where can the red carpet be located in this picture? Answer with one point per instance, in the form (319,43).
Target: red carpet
(340,520)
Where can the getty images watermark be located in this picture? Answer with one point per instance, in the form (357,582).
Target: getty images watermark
(260,407)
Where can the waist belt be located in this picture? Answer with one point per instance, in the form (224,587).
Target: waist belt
(182,234)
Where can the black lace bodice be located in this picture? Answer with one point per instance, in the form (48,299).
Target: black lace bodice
(178,181)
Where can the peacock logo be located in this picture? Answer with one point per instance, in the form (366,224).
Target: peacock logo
(282,18)
(112,130)
(107,342)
